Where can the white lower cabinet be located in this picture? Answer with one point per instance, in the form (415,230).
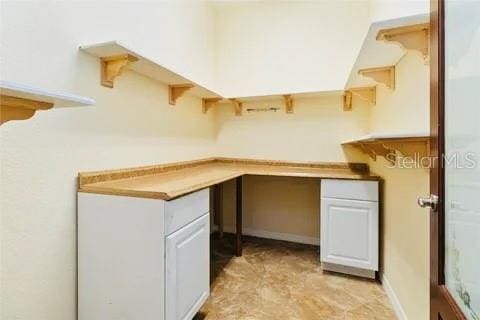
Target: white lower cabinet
(142,259)
(349,226)
(187,269)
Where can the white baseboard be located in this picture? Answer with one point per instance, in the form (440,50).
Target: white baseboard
(275,235)
(397,307)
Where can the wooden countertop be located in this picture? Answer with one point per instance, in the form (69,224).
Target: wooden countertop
(173,180)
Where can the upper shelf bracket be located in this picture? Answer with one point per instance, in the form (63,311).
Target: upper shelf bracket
(176,91)
(411,37)
(208,103)
(238,105)
(112,66)
(288,103)
(385,75)
(15,108)
(366,93)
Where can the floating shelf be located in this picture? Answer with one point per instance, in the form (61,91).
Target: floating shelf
(388,144)
(20,101)
(380,50)
(115,57)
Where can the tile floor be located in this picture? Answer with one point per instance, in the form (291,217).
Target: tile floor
(282,280)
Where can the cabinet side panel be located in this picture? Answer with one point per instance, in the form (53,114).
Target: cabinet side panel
(120,258)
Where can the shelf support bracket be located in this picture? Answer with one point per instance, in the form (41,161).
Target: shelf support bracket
(385,75)
(208,103)
(375,149)
(175,91)
(14,108)
(347,101)
(412,37)
(113,66)
(237,106)
(288,103)
(419,148)
(366,93)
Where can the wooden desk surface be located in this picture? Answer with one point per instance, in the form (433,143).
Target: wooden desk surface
(173,180)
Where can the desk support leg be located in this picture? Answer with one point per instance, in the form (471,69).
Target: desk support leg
(218,207)
(238,242)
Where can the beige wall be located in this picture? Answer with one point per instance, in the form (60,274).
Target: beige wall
(391,9)
(405,253)
(130,125)
(277,208)
(315,132)
(267,47)
(287,208)
(133,125)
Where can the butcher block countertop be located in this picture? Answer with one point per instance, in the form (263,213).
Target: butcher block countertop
(169,181)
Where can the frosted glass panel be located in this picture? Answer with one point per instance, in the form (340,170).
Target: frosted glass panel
(462,170)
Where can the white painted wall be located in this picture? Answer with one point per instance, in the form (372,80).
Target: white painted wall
(391,9)
(405,239)
(314,132)
(130,125)
(133,124)
(267,47)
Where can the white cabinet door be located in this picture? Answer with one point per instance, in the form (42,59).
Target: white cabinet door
(188,269)
(349,233)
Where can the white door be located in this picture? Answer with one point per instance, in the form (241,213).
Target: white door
(349,233)
(188,269)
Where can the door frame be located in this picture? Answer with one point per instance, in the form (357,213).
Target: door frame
(442,304)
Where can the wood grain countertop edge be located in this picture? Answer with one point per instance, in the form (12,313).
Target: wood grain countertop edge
(91,182)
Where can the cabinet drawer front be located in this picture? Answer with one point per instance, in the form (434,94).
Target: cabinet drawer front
(349,233)
(350,189)
(181,211)
(187,270)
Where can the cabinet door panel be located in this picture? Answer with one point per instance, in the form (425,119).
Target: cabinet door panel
(349,233)
(188,269)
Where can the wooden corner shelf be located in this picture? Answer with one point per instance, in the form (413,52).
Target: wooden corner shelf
(116,57)
(387,145)
(20,101)
(287,100)
(376,56)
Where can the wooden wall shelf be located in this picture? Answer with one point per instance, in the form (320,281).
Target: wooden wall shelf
(112,66)
(20,101)
(387,145)
(288,100)
(375,54)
